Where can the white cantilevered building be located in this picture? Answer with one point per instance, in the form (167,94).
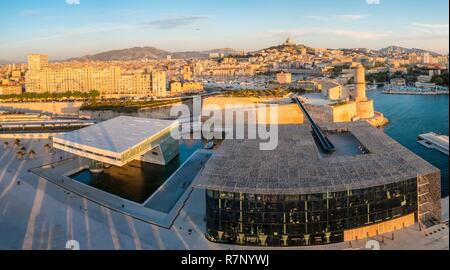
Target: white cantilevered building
(121,140)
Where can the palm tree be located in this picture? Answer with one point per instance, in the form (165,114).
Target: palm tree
(32,154)
(16,143)
(23,148)
(20,155)
(47,147)
(5,145)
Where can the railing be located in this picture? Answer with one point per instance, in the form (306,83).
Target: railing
(323,141)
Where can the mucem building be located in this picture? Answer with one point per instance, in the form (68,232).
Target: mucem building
(298,195)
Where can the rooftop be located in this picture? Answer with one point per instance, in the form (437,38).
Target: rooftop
(297,167)
(117,135)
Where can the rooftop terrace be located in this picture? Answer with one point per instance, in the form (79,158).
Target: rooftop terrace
(296,166)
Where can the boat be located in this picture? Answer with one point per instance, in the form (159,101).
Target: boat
(432,140)
(372,87)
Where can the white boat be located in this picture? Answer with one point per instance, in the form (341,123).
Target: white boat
(432,140)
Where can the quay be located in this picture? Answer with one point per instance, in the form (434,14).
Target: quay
(397,92)
(432,140)
(411,90)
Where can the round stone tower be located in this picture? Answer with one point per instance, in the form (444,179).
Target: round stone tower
(364,106)
(360,83)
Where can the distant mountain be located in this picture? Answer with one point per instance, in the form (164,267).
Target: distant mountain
(139,53)
(4,62)
(135,53)
(224,51)
(396,49)
(203,54)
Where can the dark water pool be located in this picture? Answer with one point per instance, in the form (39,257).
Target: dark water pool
(137,181)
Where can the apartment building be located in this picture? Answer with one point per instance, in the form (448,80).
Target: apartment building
(41,78)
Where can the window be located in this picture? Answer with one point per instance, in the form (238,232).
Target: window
(321,218)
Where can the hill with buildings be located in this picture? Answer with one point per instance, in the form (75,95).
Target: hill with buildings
(203,54)
(138,53)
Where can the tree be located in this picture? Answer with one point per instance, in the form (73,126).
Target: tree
(31,154)
(437,80)
(337,70)
(5,145)
(20,155)
(51,96)
(94,94)
(16,143)
(441,80)
(379,64)
(378,77)
(47,147)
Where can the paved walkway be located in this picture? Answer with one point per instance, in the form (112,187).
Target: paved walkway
(36,214)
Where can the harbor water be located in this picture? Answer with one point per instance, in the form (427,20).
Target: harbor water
(412,115)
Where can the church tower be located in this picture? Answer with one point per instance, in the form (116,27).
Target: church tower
(288,42)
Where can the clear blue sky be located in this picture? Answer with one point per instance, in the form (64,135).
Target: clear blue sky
(68,28)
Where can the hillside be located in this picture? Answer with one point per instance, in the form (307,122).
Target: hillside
(397,49)
(135,53)
(139,53)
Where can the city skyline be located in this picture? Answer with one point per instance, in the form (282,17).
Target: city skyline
(224,125)
(72,28)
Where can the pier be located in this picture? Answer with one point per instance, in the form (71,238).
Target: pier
(434,141)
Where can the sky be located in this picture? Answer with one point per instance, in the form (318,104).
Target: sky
(72,28)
